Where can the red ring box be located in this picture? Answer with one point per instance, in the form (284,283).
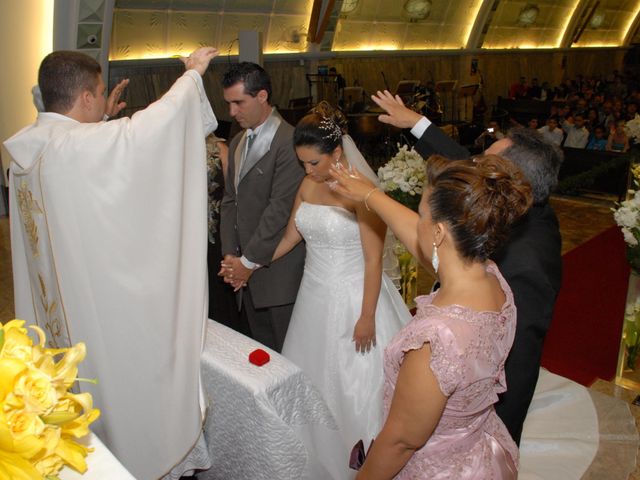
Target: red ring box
(259,357)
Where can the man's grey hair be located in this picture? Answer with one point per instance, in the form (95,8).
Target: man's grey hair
(538,159)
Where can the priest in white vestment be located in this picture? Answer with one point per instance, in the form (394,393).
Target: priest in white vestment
(109,245)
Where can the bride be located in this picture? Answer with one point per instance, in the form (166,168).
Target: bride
(347,309)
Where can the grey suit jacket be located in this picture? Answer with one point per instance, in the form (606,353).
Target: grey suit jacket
(254,218)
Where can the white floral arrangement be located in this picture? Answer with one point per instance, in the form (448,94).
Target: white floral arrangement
(632,129)
(626,216)
(403,177)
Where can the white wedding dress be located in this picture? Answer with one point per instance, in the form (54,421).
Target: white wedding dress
(326,310)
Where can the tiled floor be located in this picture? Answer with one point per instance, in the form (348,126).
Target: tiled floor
(580,220)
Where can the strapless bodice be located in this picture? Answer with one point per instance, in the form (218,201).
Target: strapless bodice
(333,242)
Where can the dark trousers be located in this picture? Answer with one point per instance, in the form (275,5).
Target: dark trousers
(268,325)
(223,306)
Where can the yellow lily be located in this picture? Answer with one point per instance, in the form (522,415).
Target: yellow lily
(14,467)
(10,368)
(17,343)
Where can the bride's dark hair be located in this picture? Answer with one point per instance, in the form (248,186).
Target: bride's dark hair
(321,128)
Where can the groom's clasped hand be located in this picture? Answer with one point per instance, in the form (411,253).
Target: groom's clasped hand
(234,272)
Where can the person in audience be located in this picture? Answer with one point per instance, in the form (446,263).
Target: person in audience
(530,261)
(489,136)
(444,370)
(631,111)
(551,132)
(534,91)
(108,234)
(223,307)
(561,92)
(577,133)
(618,109)
(606,114)
(533,123)
(618,140)
(617,88)
(519,89)
(592,119)
(347,309)
(545,92)
(264,175)
(598,140)
(581,108)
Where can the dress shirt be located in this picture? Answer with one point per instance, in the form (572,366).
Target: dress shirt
(420,127)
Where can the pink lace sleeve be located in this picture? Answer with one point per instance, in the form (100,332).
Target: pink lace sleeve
(446,361)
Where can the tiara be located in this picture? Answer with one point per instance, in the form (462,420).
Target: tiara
(332,130)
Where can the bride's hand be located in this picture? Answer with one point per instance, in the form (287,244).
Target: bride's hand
(349,183)
(364,334)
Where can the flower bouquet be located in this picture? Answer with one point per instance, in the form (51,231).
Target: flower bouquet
(402,178)
(39,416)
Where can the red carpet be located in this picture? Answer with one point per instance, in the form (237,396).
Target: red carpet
(584,338)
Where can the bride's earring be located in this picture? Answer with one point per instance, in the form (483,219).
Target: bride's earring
(435,261)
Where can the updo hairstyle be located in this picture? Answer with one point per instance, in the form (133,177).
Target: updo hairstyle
(479,199)
(321,128)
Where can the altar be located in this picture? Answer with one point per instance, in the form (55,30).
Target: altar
(270,422)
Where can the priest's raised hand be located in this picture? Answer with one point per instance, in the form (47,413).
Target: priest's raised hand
(199,59)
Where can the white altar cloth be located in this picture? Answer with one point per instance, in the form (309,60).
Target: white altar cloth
(267,422)
(259,418)
(101,464)
(574,433)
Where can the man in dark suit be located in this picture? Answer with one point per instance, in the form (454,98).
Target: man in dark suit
(263,177)
(530,262)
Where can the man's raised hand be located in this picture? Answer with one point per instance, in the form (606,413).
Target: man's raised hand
(397,114)
(114,105)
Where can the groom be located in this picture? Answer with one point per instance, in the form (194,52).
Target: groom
(263,178)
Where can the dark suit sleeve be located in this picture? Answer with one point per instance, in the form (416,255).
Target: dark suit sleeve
(534,298)
(228,210)
(286,179)
(435,141)
(532,266)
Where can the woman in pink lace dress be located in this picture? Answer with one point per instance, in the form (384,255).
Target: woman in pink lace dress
(444,370)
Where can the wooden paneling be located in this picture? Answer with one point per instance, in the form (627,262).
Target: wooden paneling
(499,70)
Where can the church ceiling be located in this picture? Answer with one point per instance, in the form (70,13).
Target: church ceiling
(161,28)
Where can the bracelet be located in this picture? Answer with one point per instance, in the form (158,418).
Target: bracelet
(366,197)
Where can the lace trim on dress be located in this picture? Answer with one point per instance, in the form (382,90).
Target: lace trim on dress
(445,363)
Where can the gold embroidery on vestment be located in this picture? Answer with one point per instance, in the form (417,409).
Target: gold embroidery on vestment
(28,206)
(52,322)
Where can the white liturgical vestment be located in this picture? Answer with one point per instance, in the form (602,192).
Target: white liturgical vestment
(109,244)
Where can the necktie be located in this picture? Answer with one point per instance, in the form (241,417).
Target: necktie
(241,170)
(250,140)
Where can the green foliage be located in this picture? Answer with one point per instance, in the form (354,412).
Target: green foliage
(405,198)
